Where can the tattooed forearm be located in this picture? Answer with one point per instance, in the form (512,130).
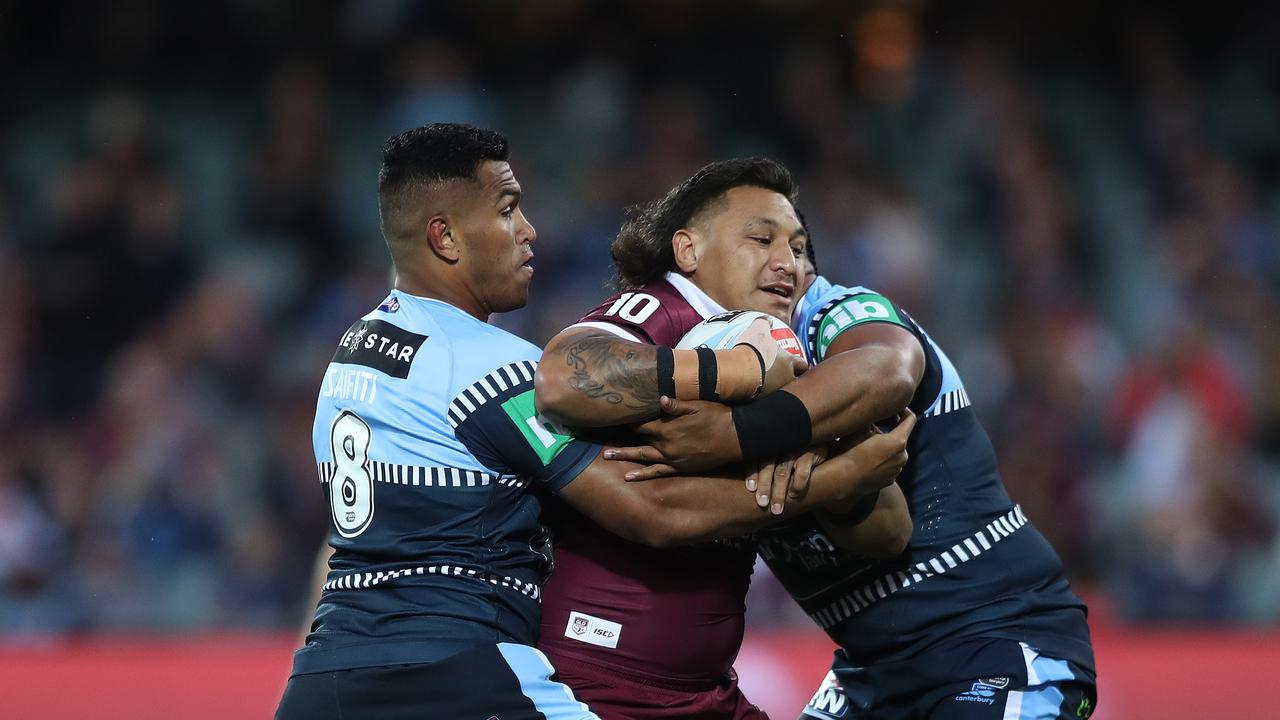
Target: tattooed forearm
(607,369)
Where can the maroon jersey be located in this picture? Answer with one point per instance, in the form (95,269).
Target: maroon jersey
(671,618)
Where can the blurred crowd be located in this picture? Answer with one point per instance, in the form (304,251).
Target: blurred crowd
(188,223)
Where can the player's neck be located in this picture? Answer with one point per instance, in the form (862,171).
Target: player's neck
(428,285)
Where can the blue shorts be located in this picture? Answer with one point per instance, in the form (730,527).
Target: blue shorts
(506,681)
(1044,689)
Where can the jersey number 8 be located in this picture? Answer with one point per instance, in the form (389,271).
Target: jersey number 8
(351,489)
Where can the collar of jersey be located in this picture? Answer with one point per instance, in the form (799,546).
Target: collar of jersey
(419,298)
(698,299)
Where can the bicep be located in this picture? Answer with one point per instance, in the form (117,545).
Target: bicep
(591,377)
(904,347)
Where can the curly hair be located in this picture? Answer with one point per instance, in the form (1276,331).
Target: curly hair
(642,250)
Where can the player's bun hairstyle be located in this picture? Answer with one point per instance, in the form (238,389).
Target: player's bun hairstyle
(433,153)
(642,250)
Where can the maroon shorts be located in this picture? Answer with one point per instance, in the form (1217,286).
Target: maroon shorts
(614,696)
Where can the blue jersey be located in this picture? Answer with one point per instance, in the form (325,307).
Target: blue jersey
(975,572)
(430,453)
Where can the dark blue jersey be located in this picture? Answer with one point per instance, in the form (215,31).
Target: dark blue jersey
(429,450)
(975,570)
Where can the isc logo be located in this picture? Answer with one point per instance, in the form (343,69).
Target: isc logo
(592,630)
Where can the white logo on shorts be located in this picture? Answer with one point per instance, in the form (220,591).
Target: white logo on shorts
(590,629)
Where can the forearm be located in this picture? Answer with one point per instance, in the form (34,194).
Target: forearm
(591,379)
(853,389)
(884,533)
(706,508)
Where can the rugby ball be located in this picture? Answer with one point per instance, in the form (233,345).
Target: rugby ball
(720,332)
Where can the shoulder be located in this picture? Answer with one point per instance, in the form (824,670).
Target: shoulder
(828,309)
(656,313)
(386,340)
(484,348)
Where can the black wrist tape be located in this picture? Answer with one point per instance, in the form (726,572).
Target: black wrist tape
(772,426)
(666,372)
(708,373)
(860,511)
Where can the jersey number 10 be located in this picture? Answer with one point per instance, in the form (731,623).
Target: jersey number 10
(633,307)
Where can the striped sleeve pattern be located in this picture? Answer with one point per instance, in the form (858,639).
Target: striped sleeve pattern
(949,402)
(418,476)
(487,388)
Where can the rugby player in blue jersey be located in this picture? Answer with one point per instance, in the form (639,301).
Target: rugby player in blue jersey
(974,619)
(433,458)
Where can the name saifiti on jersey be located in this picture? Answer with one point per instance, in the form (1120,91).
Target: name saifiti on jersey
(428,448)
(976,573)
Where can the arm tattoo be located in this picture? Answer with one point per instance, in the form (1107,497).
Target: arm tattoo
(616,375)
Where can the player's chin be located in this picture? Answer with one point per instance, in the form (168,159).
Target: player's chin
(776,305)
(515,297)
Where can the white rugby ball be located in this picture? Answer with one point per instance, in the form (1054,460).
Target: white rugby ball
(721,331)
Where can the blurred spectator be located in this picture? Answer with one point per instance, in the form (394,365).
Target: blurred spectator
(290,194)
(1198,508)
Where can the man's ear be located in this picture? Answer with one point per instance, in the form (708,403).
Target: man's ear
(442,237)
(687,246)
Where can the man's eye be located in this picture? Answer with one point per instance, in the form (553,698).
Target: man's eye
(797,251)
(508,212)
(760,239)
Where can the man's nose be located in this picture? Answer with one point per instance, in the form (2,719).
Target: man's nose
(529,233)
(785,260)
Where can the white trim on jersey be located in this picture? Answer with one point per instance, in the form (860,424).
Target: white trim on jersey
(417,475)
(362,580)
(607,327)
(949,402)
(858,600)
(694,295)
(475,395)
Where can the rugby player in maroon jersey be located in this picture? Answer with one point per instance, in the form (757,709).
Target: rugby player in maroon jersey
(639,632)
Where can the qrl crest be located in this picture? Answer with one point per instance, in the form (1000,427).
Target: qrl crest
(579,626)
(725,317)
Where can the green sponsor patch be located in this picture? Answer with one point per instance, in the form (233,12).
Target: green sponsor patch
(853,310)
(545,437)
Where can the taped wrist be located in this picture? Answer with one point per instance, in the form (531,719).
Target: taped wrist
(773,426)
(741,373)
(687,374)
(705,374)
